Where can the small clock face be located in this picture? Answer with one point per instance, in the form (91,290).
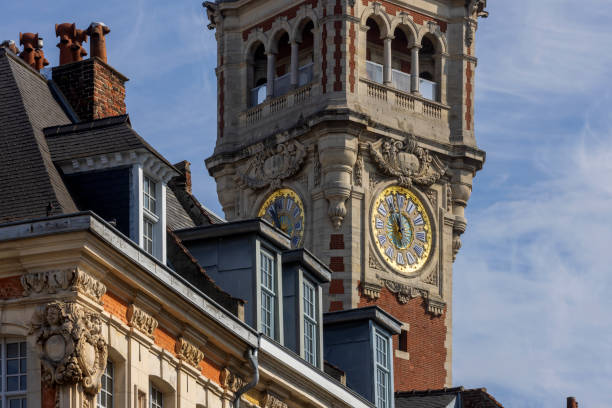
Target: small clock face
(401,229)
(285,210)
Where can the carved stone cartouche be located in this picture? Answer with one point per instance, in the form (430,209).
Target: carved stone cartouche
(72,279)
(71,346)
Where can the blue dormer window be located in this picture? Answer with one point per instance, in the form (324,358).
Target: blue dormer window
(382,368)
(268,294)
(310,323)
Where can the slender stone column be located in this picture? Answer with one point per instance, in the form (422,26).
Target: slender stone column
(414,62)
(270,75)
(387,67)
(295,46)
(441,77)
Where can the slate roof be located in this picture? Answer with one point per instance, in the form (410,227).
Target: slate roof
(29,181)
(102,136)
(446,398)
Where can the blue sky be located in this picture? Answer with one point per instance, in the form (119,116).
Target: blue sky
(532,283)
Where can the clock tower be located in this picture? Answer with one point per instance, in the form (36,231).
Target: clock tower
(349,124)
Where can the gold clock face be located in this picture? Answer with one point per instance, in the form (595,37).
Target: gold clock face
(401,229)
(285,210)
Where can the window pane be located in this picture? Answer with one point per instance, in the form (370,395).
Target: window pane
(12,366)
(12,350)
(23,383)
(22,348)
(12,383)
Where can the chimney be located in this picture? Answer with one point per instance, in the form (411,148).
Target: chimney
(32,52)
(571,402)
(96,32)
(183,181)
(94,89)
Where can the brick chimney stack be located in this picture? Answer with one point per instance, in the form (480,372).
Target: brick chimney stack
(571,402)
(94,89)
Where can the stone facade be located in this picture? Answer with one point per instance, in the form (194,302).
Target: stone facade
(343,137)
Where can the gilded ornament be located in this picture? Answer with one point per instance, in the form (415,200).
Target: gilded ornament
(285,210)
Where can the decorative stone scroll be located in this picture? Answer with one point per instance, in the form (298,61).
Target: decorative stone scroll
(405,292)
(73,279)
(71,346)
(188,351)
(141,320)
(230,380)
(272,165)
(406,161)
(273,401)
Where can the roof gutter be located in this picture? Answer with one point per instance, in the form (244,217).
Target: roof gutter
(59,96)
(252,356)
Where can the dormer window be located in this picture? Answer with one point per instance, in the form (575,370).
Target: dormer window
(311,332)
(268,294)
(150,218)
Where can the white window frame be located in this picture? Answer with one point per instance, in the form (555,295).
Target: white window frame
(154,401)
(310,320)
(382,366)
(268,292)
(6,396)
(141,213)
(109,373)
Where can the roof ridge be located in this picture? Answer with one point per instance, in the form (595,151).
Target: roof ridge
(439,391)
(90,125)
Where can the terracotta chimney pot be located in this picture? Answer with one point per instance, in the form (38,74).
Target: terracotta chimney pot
(78,51)
(571,402)
(97,46)
(66,33)
(30,43)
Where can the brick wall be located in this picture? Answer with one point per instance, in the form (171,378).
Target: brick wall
(116,306)
(10,287)
(93,88)
(424,342)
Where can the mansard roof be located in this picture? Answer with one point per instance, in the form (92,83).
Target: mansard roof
(31,185)
(442,398)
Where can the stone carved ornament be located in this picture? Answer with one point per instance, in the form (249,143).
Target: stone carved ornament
(406,161)
(272,165)
(405,292)
(230,380)
(71,346)
(188,351)
(141,320)
(73,279)
(272,401)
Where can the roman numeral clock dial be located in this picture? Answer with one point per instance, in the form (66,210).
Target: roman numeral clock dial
(285,210)
(401,229)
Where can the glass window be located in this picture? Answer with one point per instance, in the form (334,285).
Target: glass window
(105,396)
(13,373)
(148,186)
(381,359)
(268,293)
(147,232)
(157,398)
(310,323)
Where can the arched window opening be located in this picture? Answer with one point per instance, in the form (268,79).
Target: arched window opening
(282,68)
(375,53)
(427,65)
(257,75)
(401,61)
(305,60)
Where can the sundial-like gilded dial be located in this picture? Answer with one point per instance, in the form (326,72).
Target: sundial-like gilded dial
(401,229)
(285,210)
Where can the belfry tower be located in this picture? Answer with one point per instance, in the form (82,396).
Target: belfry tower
(350,125)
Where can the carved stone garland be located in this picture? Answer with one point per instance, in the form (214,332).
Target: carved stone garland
(188,351)
(405,292)
(51,282)
(141,320)
(230,380)
(71,346)
(406,161)
(272,165)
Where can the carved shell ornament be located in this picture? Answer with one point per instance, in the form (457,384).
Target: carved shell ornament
(72,348)
(272,165)
(406,161)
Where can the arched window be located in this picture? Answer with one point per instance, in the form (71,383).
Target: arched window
(427,66)
(105,396)
(375,52)
(13,373)
(257,74)
(305,55)
(282,69)
(401,61)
